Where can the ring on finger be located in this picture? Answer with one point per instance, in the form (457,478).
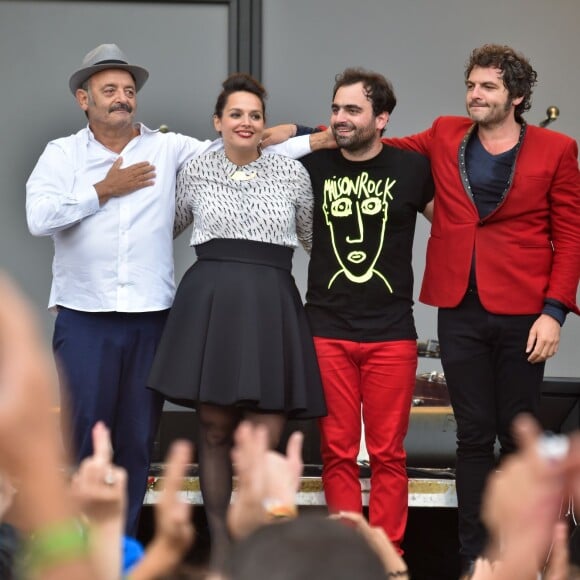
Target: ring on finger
(110,478)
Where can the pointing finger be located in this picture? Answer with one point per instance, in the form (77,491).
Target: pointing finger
(176,465)
(102,447)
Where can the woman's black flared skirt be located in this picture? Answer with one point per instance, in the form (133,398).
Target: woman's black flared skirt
(237,334)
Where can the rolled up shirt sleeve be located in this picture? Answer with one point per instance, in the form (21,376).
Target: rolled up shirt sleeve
(294,148)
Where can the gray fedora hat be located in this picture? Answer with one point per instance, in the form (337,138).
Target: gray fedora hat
(106,56)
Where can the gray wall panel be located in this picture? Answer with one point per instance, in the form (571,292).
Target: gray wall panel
(185,48)
(421,45)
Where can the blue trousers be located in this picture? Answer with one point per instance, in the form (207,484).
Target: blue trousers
(490,381)
(104,359)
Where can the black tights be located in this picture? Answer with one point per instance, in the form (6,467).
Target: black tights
(215,440)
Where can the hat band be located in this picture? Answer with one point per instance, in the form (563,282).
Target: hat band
(112,61)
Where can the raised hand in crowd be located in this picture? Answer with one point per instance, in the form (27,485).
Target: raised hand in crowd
(378,541)
(30,447)
(267,480)
(100,489)
(558,567)
(7,492)
(174,532)
(522,505)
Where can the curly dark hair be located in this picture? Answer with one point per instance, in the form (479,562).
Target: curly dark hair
(240,82)
(518,75)
(377,88)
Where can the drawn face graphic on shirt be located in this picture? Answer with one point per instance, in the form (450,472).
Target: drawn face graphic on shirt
(356,213)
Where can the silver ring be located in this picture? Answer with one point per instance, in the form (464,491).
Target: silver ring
(110,478)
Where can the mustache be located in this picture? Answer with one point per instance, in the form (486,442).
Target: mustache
(343,125)
(477,103)
(121,107)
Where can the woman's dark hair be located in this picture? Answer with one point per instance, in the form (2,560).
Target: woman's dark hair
(236,83)
(518,75)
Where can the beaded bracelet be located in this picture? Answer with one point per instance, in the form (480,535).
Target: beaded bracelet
(56,544)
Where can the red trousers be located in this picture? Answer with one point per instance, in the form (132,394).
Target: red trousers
(380,378)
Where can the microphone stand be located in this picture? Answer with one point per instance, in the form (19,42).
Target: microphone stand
(552,113)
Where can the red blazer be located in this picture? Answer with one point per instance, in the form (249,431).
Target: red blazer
(526,250)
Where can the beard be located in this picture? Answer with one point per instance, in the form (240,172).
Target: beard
(358,139)
(490,116)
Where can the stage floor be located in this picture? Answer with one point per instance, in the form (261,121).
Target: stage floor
(433,488)
(430,543)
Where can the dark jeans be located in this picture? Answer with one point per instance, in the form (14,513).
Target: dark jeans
(490,381)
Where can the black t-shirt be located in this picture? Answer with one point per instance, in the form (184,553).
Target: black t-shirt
(360,277)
